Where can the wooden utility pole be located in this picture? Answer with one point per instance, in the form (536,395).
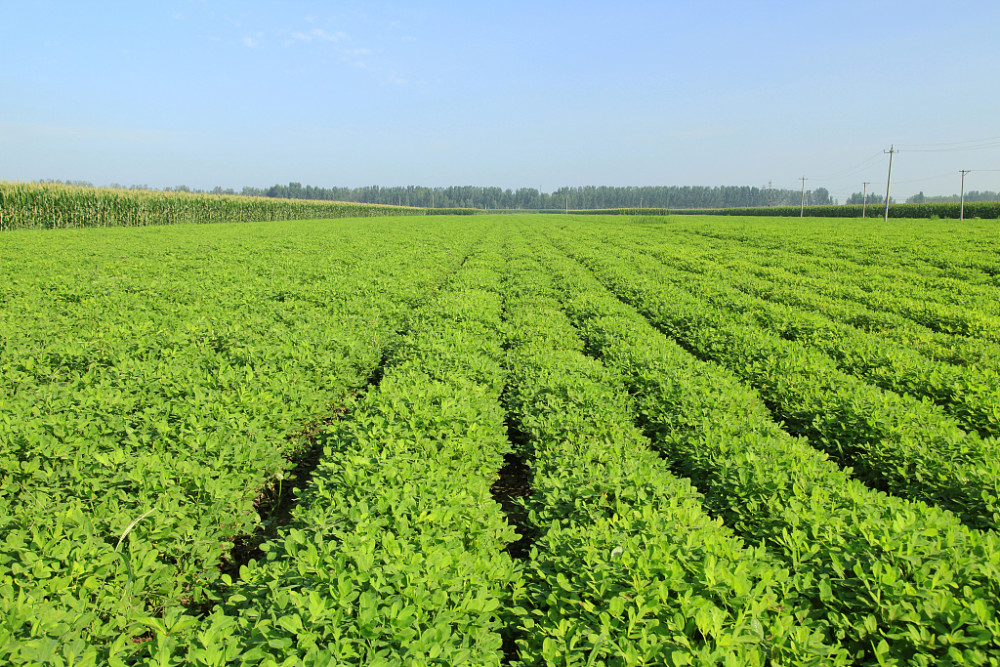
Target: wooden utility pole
(888,180)
(961,215)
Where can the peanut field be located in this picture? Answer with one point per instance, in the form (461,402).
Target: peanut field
(564,440)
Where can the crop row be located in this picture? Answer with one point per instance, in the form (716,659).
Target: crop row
(955,307)
(949,268)
(894,442)
(159,386)
(394,552)
(55,206)
(932,250)
(151,388)
(897,582)
(625,567)
(870,270)
(935,210)
(769,279)
(969,395)
(773,280)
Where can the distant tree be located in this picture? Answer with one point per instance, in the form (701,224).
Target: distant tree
(872,198)
(972,195)
(984,195)
(820,197)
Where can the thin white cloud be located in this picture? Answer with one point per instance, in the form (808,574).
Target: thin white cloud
(318,34)
(344,47)
(252,41)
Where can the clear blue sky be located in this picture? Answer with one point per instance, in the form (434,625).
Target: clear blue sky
(502,93)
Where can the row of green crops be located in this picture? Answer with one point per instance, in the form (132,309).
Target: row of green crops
(153,383)
(952,297)
(895,442)
(985,210)
(394,554)
(736,442)
(626,567)
(896,582)
(942,257)
(56,206)
(872,290)
(969,392)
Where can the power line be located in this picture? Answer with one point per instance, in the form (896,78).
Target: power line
(951,145)
(926,178)
(849,170)
(955,146)
(994,143)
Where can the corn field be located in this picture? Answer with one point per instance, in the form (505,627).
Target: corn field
(56,206)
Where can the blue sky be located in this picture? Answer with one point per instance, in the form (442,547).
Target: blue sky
(539,94)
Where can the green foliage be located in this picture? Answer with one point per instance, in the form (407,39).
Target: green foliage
(742,435)
(896,581)
(970,393)
(394,553)
(894,442)
(56,206)
(626,567)
(172,370)
(951,211)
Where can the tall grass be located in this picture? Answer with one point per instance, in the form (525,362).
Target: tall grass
(53,206)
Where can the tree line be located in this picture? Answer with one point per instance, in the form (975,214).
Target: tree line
(576,198)
(970,196)
(585,197)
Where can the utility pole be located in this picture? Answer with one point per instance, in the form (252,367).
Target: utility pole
(888,179)
(962,213)
(864,197)
(802,209)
